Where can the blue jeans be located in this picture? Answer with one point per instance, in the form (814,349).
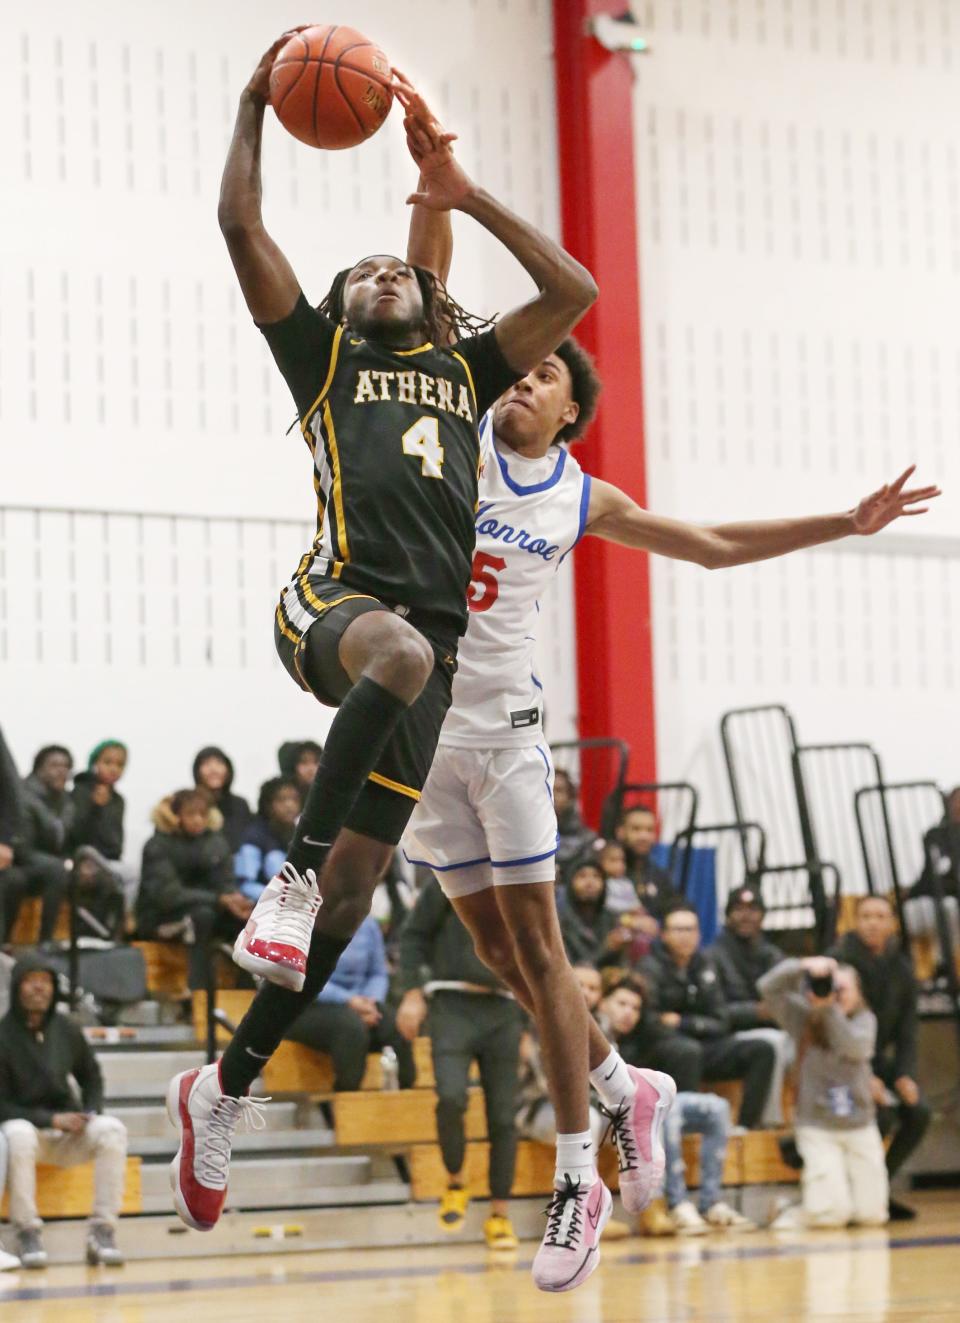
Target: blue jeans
(696,1114)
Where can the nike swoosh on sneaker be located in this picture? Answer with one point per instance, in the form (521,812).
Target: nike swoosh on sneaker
(594,1218)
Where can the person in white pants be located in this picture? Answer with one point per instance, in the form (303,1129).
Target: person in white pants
(844,1182)
(51,1094)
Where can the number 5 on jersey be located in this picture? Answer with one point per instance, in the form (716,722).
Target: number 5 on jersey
(422,440)
(484,584)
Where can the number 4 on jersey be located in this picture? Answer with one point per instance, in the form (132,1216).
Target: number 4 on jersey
(422,440)
(484,584)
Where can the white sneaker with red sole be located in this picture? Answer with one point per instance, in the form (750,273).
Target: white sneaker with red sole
(276,941)
(570,1250)
(206,1119)
(637,1130)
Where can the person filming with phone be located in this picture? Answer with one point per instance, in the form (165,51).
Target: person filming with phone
(820,1003)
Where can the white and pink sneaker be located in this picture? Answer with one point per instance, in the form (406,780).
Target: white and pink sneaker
(570,1250)
(637,1130)
(206,1119)
(276,941)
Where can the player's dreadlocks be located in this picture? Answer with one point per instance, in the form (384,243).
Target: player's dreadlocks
(443,318)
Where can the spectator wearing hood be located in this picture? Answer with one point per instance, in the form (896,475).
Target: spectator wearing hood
(741,956)
(51,1099)
(686,992)
(592,934)
(213,772)
(48,816)
(12,880)
(187,886)
(299,759)
(941,875)
(98,805)
(574,838)
(263,848)
(890,991)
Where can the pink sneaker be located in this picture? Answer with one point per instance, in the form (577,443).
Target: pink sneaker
(276,941)
(637,1128)
(206,1118)
(570,1251)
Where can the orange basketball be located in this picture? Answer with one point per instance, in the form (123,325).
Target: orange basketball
(331,86)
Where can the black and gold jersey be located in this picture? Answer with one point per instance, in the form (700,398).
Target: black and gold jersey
(394,436)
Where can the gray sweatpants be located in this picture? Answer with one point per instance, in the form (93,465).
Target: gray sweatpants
(467,1027)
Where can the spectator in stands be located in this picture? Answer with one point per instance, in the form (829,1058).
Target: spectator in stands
(264,844)
(591,985)
(941,875)
(592,934)
(213,772)
(8,1262)
(686,994)
(890,991)
(187,887)
(48,815)
(51,1098)
(99,893)
(741,956)
(299,759)
(351,1018)
(573,837)
(473,1017)
(12,880)
(98,806)
(637,833)
(844,1177)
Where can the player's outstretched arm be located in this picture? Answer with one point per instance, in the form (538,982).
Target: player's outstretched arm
(615,517)
(266,277)
(566,289)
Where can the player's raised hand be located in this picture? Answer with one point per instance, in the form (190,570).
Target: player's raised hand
(891,501)
(259,83)
(444,184)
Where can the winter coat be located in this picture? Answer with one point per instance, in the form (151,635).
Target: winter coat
(179,871)
(362,969)
(35,1067)
(740,964)
(11,800)
(47,823)
(259,857)
(890,990)
(655,886)
(234,810)
(434,945)
(833,1080)
(693,993)
(93,824)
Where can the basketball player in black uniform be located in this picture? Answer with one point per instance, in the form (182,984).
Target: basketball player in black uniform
(390,409)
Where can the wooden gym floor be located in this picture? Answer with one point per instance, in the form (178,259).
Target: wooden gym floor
(866,1277)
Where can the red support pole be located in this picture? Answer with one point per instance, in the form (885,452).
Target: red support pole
(599,216)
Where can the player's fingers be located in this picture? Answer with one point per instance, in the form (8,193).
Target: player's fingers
(922,510)
(416,199)
(898,484)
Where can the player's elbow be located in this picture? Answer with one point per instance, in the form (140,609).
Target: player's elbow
(712,553)
(585,290)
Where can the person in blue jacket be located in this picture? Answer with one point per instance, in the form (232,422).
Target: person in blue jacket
(350,1017)
(267,837)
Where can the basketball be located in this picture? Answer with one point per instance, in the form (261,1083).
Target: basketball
(331,86)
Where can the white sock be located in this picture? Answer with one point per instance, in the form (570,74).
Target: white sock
(612,1081)
(575,1159)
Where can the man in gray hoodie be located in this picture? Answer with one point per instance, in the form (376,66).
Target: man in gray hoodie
(820,1004)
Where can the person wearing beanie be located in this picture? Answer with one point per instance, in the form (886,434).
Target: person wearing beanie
(98,805)
(213,772)
(741,956)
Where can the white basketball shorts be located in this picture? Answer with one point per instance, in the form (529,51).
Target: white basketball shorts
(485,818)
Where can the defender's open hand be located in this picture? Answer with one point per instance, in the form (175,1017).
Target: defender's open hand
(891,501)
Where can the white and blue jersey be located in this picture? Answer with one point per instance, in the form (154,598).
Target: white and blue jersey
(531,513)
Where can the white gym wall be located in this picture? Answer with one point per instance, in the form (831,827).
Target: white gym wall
(132,379)
(799,208)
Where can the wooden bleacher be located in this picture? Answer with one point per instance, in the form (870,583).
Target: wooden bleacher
(68,1191)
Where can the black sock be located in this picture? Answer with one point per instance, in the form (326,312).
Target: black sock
(358,736)
(271,1014)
